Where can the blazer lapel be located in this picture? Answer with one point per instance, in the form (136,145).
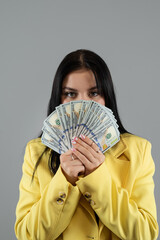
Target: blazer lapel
(118,148)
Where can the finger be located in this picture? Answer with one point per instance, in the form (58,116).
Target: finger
(88,141)
(85,160)
(73,156)
(88,144)
(79,170)
(70,166)
(85,151)
(76,162)
(68,153)
(67,156)
(92,144)
(72,173)
(69,159)
(92,156)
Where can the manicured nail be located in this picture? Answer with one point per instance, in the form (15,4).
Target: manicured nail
(82,136)
(73,142)
(73,149)
(75,138)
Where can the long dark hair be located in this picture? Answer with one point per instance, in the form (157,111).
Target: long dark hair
(81,59)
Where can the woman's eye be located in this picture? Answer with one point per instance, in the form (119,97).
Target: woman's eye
(70,94)
(93,94)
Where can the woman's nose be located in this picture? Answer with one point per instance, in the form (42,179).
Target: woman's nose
(84,97)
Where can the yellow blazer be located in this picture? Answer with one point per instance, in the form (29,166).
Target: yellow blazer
(120,192)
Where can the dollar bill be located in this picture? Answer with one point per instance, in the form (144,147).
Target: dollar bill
(55,124)
(49,142)
(52,135)
(80,117)
(64,114)
(75,111)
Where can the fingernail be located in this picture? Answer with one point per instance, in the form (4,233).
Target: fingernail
(74,139)
(73,149)
(73,142)
(82,136)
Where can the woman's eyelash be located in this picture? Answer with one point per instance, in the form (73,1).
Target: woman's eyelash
(74,94)
(95,92)
(69,93)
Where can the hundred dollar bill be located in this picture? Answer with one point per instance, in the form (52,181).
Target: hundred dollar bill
(66,115)
(108,139)
(99,119)
(53,135)
(97,131)
(80,117)
(54,123)
(91,120)
(84,108)
(49,142)
(85,118)
(109,111)
(75,112)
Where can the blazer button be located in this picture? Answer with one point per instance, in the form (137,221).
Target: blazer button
(91,202)
(60,201)
(62,195)
(87,195)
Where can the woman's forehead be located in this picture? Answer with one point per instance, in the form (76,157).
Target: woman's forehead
(80,78)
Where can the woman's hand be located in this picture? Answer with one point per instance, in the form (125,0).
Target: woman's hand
(71,166)
(88,153)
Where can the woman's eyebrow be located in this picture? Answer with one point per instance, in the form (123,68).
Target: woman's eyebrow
(95,87)
(68,88)
(73,89)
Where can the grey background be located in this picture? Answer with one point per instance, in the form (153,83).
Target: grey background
(34,38)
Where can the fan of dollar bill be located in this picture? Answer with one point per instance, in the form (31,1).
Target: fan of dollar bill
(74,118)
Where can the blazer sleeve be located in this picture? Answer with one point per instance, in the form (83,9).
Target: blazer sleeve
(129,216)
(44,215)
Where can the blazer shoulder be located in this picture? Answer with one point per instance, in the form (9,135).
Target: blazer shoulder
(134,138)
(134,141)
(35,146)
(35,141)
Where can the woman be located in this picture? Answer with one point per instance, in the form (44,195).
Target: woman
(95,196)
